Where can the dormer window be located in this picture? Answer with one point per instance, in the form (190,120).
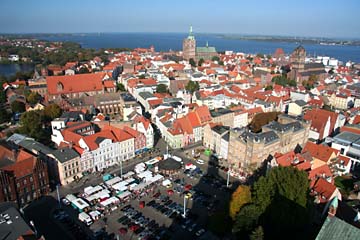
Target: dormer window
(59,87)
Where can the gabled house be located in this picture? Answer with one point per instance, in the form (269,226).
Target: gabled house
(144,126)
(323,123)
(322,155)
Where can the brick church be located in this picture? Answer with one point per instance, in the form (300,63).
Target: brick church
(191,51)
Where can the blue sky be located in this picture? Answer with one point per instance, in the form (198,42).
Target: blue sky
(274,17)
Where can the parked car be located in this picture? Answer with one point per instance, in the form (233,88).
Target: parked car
(200,161)
(65,201)
(200,232)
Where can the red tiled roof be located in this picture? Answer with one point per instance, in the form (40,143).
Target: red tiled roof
(24,162)
(193,119)
(203,114)
(319,151)
(343,159)
(75,83)
(109,84)
(322,171)
(119,134)
(323,188)
(348,128)
(143,120)
(319,117)
(356,119)
(70,137)
(154,102)
(286,159)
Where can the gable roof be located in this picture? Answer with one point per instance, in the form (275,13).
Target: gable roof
(75,83)
(335,228)
(324,190)
(319,151)
(203,114)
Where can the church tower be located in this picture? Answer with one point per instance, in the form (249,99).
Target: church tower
(189,46)
(297,62)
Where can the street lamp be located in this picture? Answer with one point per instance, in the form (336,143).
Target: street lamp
(228,178)
(184,214)
(58,194)
(121,168)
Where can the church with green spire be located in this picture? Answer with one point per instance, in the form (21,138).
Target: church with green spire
(191,51)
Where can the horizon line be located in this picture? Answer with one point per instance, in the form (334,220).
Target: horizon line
(208,33)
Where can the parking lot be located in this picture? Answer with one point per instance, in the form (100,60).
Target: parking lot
(157,211)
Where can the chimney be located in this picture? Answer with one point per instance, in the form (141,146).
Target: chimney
(14,155)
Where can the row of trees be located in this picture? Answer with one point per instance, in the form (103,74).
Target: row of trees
(278,205)
(283,81)
(68,52)
(201,61)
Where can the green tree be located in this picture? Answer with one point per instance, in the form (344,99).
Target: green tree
(201,62)
(247,219)
(31,125)
(33,98)
(192,86)
(283,81)
(192,62)
(239,198)
(215,58)
(161,88)
(257,234)
(260,55)
(17,107)
(221,63)
(52,111)
(142,76)
(4,114)
(268,87)
(280,203)
(120,87)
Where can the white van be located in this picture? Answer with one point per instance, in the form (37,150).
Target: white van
(85,218)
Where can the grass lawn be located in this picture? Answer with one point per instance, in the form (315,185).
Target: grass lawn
(345,184)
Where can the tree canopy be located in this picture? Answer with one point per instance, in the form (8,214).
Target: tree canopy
(239,198)
(33,98)
(52,111)
(280,204)
(215,58)
(161,88)
(31,124)
(283,81)
(192,62)
(120,87)
(262,119)
(17,107)
(201,61)
(192,86)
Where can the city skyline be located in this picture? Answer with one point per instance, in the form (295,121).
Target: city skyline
(312,19)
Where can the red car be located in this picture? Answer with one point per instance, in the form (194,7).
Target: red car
(156,195)
(122,231)
(170,192)
(188,187)
(134,227)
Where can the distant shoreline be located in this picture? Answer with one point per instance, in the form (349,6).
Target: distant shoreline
(299,40)
(288,39)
